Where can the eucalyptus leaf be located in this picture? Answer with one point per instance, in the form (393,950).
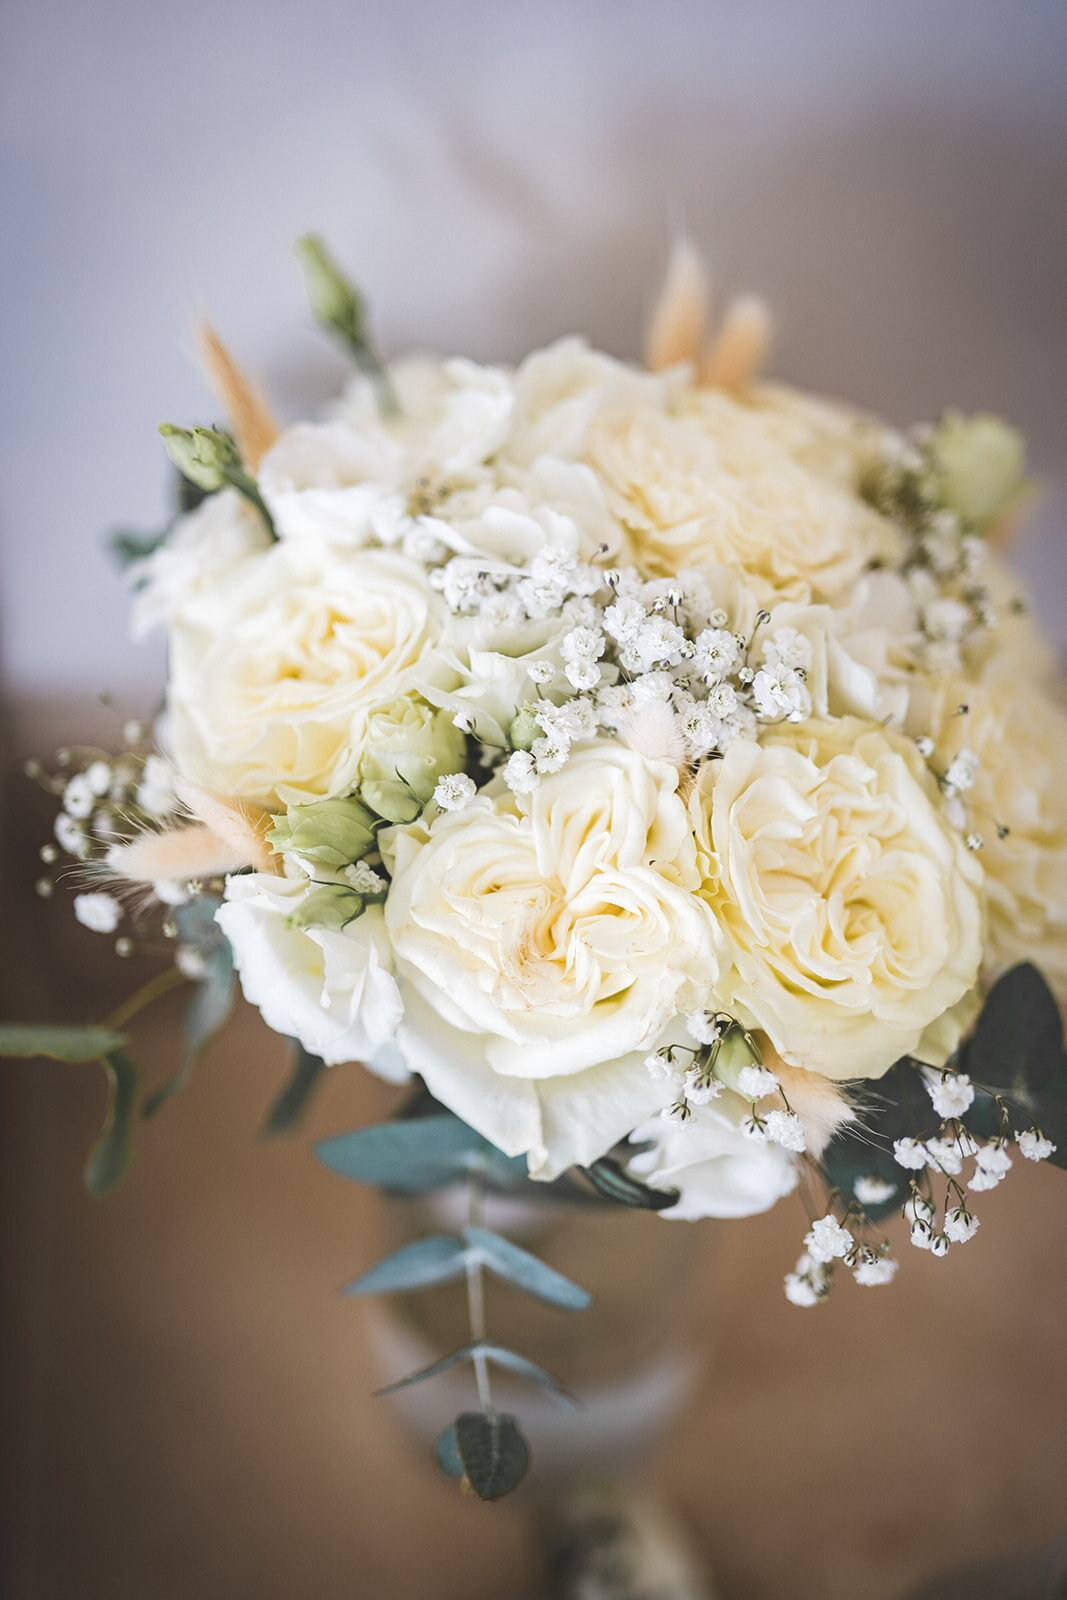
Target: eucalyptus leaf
(523,1367)
(614,1183)
(438,1259)
(208,1008)
(111,1155)
(446,1453)
(292,1103)
(446,1363)
(525,1271)
(81,1043)
(494,1455)
(128,549)
(416,1153)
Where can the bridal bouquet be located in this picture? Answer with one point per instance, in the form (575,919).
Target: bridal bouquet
(657,769)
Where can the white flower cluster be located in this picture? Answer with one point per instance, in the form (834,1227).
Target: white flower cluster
(604,730)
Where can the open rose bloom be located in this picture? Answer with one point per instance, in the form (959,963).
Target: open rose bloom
(657,765)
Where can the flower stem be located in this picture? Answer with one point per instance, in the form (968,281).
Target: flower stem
(476,1291)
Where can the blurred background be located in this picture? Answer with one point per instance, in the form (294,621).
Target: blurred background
(185,1399)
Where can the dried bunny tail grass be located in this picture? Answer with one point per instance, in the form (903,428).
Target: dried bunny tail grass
(679,317)
(655,733)
(239,826)
(254,429)
(191,851)
(739,350)
(227,835)
(821,1104)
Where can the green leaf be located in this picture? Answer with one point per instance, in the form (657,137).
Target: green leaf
(438,1259)
(610,1180)
(83,1043)
(208,1008)
(446,1363)
(494,1454)
(1016,1051)
(111,1155)
(128,548)
(897,1107)
(446,1453)
(292,1103)
(1017,1043)
(415,1154)
(525,1271)
(523,1367)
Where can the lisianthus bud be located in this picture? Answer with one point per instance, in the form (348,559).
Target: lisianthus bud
(524,729)
(737,1051)
(331,905)
(979,463)
(408,746)
(206,456)
(331,833)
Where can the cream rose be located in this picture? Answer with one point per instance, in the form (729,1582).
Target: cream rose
(851,910)
(202,548)
(274,674)
(713,483)
(1019,737)
(555,935)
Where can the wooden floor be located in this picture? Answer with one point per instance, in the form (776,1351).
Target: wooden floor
(187,1401)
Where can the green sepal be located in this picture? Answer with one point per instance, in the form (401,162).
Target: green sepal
(523,1270)
(392,799)
(290,1106)
(492,1451)
(82,1043)
(112,1153)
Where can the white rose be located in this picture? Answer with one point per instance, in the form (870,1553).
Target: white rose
(559,933)
(201,550)
(332,482)
(717,1171)
(274,674)
(1019,736)
(712,483)
(334,991)
(558,391)
(851,910)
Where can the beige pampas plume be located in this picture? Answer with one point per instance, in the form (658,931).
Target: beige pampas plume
(676,327)
(820,1103)
(228,835)
(739,350)
(254,429)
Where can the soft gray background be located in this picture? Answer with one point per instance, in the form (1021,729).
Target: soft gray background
(891,177)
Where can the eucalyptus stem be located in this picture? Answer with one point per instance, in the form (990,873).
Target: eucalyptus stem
(160,984)
(476,1290)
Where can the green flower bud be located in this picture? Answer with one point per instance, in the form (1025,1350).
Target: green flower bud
(337,305)
(408,746)
(331,833)
(206,456)
(978,465)
(735,1050)
(331,905)
(524,730)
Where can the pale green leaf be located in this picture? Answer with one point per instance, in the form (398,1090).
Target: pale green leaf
(525,1271)
(82,1043)
(438,1259)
